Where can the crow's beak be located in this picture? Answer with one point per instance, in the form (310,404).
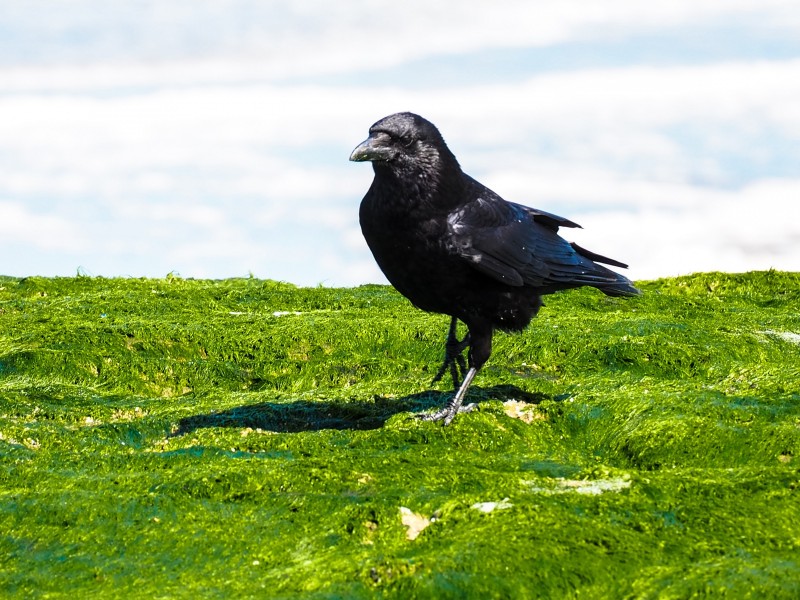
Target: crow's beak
(373,149)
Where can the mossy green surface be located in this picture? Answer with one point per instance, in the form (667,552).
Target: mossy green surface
(246,438)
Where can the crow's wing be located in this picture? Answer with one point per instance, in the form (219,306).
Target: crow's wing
(519,246)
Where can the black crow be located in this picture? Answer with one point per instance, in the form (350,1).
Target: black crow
(452,246)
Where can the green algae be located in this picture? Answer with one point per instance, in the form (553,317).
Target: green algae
(248,438)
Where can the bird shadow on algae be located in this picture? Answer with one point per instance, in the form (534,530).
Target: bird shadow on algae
(303,415)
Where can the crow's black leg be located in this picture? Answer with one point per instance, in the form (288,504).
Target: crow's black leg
(479,340)
(448,413)
(453,356)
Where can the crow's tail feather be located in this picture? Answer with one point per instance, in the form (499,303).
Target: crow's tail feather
(608,281)
(593,256)
(623,288)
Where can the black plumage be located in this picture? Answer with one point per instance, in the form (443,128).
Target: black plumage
(450,245)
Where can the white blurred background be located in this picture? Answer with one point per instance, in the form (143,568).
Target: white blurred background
(211,138)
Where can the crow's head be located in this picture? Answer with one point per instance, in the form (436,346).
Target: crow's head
(405,142)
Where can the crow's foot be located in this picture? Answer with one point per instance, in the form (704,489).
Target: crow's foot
(447,415)
(453,407)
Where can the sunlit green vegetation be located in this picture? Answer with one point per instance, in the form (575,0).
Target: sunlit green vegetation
(236,438)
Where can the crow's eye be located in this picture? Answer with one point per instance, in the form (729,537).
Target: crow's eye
(400,139)
(393,138)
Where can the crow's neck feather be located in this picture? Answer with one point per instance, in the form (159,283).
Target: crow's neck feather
(431,183)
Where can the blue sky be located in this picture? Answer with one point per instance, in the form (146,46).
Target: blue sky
(211,139)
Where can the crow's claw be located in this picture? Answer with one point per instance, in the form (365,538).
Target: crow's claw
(448,415)
(453,407)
